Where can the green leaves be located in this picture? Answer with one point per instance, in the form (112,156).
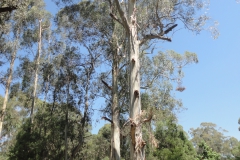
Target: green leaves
(213,140)
(173,143)
(205,152)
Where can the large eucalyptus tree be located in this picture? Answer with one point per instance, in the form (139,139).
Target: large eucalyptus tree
(10,49)
(144,21)
(35,35)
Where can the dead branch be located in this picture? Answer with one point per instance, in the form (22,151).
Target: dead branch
(105,83)
(115,18)
(107,119)
(180,89)
(154,36)
(170,29)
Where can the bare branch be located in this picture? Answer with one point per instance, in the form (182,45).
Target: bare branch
(123,66)
(107,119)
(105,83)
(154,36)
(170,29)
(115,18)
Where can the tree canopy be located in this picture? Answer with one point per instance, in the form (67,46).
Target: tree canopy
(56,70)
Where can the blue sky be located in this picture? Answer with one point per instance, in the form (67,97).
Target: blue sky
(213,85)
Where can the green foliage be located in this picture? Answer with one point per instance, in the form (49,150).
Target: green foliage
(46,138)
(206,153)
(173,142)
(236,152)
(29,145)
(98,146)
(215,139)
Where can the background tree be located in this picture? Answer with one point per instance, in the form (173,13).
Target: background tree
(214,139)
(173,142)
(205,152)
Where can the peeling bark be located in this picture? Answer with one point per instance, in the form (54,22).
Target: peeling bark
(136,150)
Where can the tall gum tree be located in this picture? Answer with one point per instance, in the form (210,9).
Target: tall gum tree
(16,26)
(102,32)
(40,19)
(144,21)
(9,80)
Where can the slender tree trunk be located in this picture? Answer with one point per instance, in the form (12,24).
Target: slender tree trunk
(136,147)
(9,80)
(115,126)
(47,84)
(84,119)
(36,69)
(66,124)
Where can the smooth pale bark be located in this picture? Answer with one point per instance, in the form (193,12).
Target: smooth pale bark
(129,22)
(9,80)
(115,126)
(36,69)
(136,151)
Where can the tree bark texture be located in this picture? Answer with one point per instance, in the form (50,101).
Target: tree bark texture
(129,22)
(136,147)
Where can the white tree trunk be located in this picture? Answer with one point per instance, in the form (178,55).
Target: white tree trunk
(137,146)
(9,80)
(115,126)
(36,69)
